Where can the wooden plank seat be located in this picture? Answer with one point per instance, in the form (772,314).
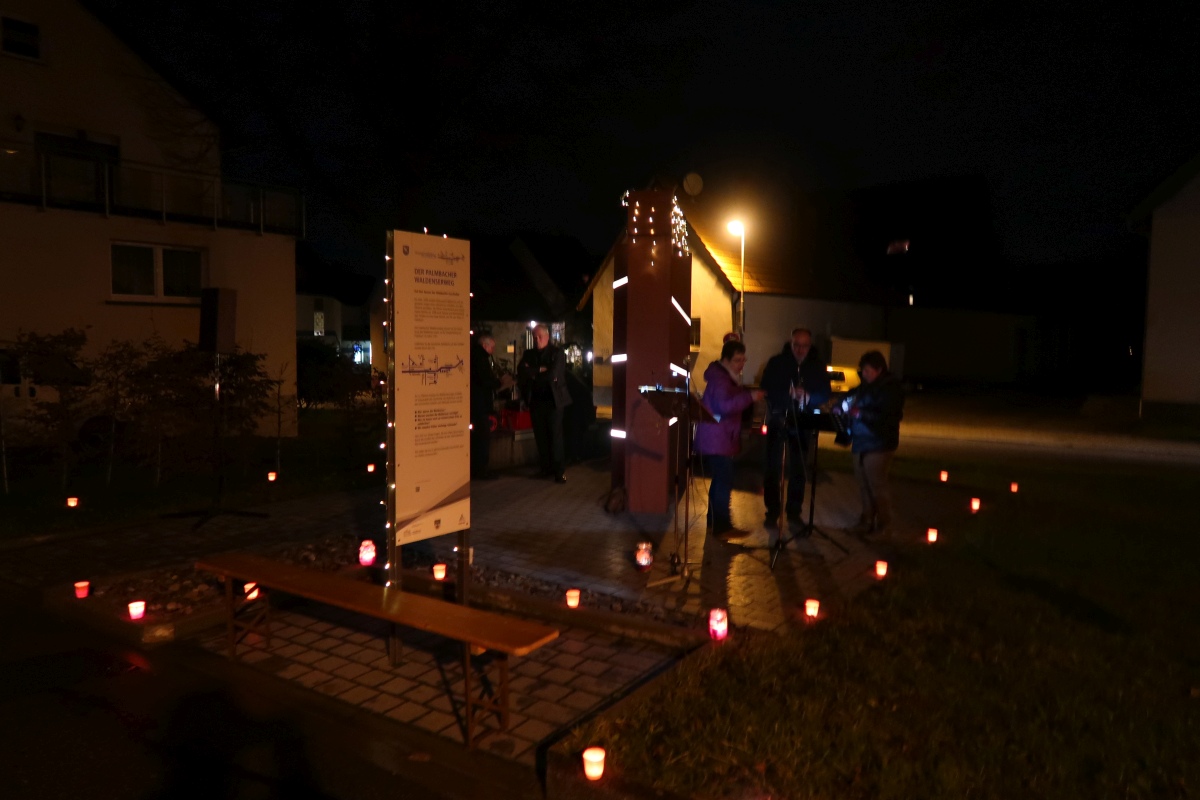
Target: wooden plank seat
(477,629)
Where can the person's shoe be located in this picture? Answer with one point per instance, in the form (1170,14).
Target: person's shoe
(771,521)
(560,478)
(794,517)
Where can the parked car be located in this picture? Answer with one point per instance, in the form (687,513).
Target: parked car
(842,379)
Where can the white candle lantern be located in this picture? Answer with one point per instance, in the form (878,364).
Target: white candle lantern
(644,556)
(593,763)
(137,609)
(366,553)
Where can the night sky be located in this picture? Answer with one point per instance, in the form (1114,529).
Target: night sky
(492,117)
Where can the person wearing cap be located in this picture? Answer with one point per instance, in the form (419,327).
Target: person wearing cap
(874,411)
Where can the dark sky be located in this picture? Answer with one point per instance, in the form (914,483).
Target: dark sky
(494,116)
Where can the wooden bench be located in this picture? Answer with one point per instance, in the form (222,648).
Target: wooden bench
(476,629)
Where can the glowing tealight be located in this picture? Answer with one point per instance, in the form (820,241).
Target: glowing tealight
(764,429)
(439,572)
(974,504)
(943,476)
(644,556)
(251,590)
(931,535)
(1012,487)
(137,609)
(366,553)
(593,763)
(81,589)
(572,598)
(72,502)
(718,624)
(811,608)
(370,467)
(880,569)
(271,476)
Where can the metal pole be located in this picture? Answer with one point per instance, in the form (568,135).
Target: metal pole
(742,302)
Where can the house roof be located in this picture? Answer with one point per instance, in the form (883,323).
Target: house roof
(1141,215)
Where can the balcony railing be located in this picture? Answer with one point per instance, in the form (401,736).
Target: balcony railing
(128,189)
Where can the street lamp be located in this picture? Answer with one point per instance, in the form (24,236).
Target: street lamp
(739,230)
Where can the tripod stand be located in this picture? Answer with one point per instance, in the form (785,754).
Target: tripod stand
(681,407)
(804,425)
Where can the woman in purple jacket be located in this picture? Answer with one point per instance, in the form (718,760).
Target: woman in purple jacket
(720,441)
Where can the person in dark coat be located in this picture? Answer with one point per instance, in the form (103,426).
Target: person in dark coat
(796,382)
(542,376)
(484,385)
(720,441)
(874,411)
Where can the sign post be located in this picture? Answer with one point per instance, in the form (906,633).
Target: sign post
(428,400)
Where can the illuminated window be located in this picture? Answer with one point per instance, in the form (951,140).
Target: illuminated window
(20,38)
(155,272)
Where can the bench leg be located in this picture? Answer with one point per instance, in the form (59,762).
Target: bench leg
(393,645)
(470,698)
(231,610)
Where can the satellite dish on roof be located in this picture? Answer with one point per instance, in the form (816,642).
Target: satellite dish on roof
(692,184)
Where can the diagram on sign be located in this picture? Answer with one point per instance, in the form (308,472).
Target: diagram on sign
(432,370)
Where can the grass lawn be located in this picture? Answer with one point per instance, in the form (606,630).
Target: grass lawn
(330,454)
(1050,649)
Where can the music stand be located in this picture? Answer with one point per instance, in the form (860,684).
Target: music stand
(685,408)
(814,422)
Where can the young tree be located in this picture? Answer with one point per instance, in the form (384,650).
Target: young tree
(116,370)
(54,363)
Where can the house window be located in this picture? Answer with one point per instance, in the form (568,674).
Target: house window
(156,272)
(695,333)
(20,38)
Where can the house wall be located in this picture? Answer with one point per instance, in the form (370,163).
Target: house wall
(1171,368)
(335,315)
(88,83)
(771,318)
(712,304)
(56,267)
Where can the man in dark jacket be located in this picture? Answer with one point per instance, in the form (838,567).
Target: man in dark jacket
(796,382)
(874,410)
(542,375)
(484,385)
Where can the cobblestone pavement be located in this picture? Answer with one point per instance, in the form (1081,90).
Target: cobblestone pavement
(343,656)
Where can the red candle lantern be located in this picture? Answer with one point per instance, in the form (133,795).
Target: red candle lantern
(718,623)
(1012,487)
(764,429)
(81,589)
(944,476)
(931,535)
(572,598)
(370,467)
(271,477)
(366,553)
(880,569)
(974,504)
(72,502)
(593,763)
(439,572)
(812,608)
(251,590)
(137,609)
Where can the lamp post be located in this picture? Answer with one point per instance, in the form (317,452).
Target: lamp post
(739,230)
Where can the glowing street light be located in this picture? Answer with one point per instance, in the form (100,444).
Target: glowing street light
(739,230)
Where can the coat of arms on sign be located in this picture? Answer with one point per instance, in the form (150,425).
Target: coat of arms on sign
(437,523)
